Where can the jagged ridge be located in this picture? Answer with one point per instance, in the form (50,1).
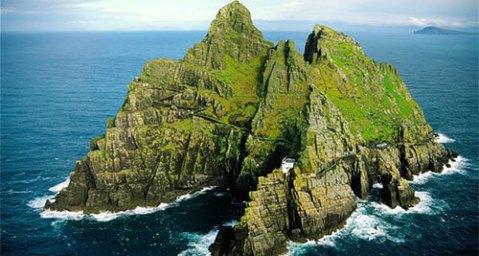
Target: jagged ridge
(233,108)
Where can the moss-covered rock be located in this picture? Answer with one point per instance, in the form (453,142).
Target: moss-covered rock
(233,108)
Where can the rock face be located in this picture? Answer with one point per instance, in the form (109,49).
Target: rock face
(233,108)
(182,126)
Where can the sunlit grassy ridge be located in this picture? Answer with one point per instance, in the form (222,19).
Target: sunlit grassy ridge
(371,96)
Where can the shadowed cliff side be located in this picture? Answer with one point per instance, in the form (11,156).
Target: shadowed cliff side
(358,126)
(182,127)
(233,108)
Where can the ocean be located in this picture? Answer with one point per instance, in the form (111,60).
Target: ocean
(58,89)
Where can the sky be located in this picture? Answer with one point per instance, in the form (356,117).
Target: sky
(141,15)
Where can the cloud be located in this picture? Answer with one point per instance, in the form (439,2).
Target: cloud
(193,14)
(452,13)
(440,22)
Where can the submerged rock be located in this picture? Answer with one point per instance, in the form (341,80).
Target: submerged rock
(233,108)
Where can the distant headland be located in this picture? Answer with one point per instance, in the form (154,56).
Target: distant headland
(439,31)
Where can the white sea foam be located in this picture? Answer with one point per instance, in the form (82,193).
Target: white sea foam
(386,210)
(442,138)
(108,216)
(63,215)
(198,243)
(57,188)
(39,202)
(366,223)
(456,166)
(373,221)
(230,223)
(193,195)
(423,178)
(428,205)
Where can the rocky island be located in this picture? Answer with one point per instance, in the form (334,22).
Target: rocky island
(439,31)
(233,108)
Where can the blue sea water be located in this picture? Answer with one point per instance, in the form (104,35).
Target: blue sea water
(57,89)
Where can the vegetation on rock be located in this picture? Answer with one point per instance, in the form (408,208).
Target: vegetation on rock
(233,108)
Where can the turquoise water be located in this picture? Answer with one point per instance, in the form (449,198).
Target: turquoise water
(57,90)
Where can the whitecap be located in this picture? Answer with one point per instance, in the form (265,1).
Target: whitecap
(63,215)
(295,248)
(428,205)
(386,210)
(367,222)
(198,243)
(195,194)
(11,192)
(456,166)
(422,178)
(57,188)
(442,138)
(230,223)
(109,216)
(39,202)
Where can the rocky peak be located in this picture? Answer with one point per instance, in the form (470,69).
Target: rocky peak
(235,17)
(321,37)
(232,34)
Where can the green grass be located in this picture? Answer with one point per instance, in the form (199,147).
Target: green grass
(373,98)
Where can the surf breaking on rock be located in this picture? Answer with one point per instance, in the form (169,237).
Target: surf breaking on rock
(233,108)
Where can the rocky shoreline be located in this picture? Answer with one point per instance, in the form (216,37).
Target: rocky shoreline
(233,108)
(307,207)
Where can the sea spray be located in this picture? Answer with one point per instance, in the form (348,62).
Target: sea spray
(455,166)
(38,203)
(198,243)
(442,138)
(374,222)
(57,188)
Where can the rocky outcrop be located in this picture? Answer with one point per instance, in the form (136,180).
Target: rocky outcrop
(284,207)
(233,108)
(358,126)
(183,124)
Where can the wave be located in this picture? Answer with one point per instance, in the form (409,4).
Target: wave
(198,243)
(109,216)
(366,223)
(442,138)
(12,192)
(456,166)
(62,215)
(373,221)
(428,205)
(39,202)
(195,194)
(422,178)
(57,188)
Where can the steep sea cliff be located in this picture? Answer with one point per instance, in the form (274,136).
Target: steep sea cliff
(233,108)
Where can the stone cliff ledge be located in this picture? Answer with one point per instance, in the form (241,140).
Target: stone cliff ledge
(235,106)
